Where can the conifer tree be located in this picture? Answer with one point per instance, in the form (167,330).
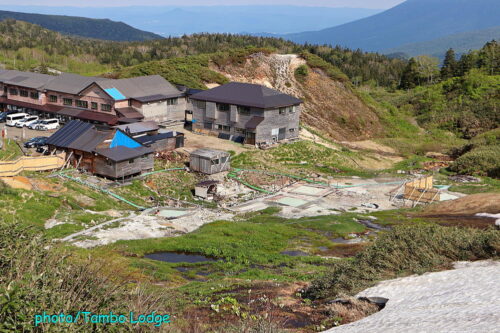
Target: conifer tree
(449,68)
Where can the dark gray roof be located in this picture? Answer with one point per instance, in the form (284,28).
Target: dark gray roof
(89,140)
(254,122)
(66,135)
(25,79)
(153,98)
(71,83)
(247,94)
(209,153)
(150,139)
(139,127)
(142,86)
(121,153)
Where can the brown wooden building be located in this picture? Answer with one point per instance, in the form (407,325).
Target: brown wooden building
(112,154)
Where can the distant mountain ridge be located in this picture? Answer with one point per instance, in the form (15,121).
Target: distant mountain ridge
(461,43)
(182,19)
(83,27)
(410,22)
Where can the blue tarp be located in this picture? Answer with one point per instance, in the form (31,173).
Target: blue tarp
(115,93)
(121,139)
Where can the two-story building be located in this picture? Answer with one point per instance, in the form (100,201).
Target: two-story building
(93,99)
(247,112)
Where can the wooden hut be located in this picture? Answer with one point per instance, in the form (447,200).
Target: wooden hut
(112,154)
(209,161)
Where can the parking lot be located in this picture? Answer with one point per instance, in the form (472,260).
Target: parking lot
(23,134)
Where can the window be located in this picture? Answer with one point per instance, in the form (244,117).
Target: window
(239,130)
(53,98)
(82,104)
(13,91)
(67,101)
(105,107)
(172,101)
(288,109)
(23,93)
(222,107)
(222,127)
(215,162)
(93,105)
(208,126)
(131,161)
(34,95)
(245,110)
(292,130)
(199,104)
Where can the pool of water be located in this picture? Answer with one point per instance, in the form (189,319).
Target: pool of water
(295,253)
(172,213)
(177,257)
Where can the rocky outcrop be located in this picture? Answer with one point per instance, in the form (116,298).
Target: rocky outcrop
(330,107)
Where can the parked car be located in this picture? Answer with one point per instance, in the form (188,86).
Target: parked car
(26,121)
(37,142)
(48,124)
(14,118)
(33,125)
(4,114)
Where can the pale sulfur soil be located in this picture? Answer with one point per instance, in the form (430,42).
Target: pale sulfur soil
(330,107)
(465,299)
(469,205)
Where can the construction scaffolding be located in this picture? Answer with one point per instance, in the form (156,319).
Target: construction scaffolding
(418,191)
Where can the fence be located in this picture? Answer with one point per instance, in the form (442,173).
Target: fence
(27,163)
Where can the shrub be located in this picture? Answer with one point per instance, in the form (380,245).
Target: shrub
(34,279)
(406,250)
(301,73)
(483,161)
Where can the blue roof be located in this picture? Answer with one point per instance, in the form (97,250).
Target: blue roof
(123,140)
(115,93)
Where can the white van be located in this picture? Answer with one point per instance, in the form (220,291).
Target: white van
(13,119)
(27,121)
(48,124)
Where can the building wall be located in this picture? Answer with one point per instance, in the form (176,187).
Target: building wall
(160,111)
(91,94)
(236,121)
(41,100)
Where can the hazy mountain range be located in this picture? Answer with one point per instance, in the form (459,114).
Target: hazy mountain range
(176,21)
(410,22)
(413,27)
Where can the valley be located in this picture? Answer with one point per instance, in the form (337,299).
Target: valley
(341,176)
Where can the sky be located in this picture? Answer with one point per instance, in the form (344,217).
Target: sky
(377,4)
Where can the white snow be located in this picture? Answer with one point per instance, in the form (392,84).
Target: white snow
(465,299)
(493,216)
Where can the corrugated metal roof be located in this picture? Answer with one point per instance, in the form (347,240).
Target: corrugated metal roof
(130,112)
(121,153)
(140,127)
(89,140)
(254,122)
(142,86)
(115,93)
(25,79)
(209,153)
(150,139)
(71,83)
(90,115)
(247,94)
(66,135)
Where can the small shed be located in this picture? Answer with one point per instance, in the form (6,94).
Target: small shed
(209,161)
(206,189)
(163,142)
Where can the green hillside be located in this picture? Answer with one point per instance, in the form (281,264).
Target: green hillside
(83,27)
